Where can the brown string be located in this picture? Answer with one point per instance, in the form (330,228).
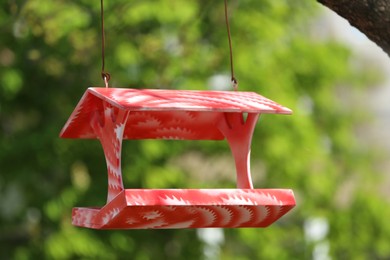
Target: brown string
(233,79)
(105,75)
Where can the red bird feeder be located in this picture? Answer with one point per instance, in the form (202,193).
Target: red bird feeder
(113,114)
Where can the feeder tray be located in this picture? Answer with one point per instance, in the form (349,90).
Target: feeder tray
(114,114)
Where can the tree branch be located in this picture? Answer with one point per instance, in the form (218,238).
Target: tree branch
(371,17)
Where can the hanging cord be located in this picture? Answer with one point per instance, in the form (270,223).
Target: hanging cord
(233,79)
(105,75)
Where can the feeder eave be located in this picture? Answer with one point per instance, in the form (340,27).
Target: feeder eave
(188,100)
(78,120)
(148,102)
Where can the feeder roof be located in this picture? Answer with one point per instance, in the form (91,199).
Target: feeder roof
(154,112)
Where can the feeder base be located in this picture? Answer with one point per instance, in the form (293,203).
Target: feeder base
(188,208)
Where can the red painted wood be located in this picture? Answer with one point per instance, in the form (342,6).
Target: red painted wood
(112,115)
(167,114)
(188,208)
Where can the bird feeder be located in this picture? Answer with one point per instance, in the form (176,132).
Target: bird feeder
(114,114)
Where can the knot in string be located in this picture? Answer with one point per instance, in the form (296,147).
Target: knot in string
(106,77)
(235,83)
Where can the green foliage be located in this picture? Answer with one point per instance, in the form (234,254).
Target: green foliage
(50,53)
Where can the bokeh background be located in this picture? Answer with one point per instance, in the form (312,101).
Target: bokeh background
(329,151)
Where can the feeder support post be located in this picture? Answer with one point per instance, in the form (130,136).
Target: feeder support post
(238,133)
(109,124)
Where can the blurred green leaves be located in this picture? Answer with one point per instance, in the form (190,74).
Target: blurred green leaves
(51,16)
(12,82)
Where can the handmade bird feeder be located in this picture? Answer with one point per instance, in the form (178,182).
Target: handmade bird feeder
(114,114)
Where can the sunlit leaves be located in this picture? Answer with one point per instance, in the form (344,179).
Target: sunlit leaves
(51,15)
(76,241)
